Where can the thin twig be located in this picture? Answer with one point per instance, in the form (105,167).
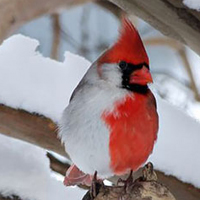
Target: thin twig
(56,36)
(57,165)
(163,41)
(182,53)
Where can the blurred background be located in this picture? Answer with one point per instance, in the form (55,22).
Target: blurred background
(89,29)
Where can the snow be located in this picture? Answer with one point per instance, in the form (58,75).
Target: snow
(34,83)
(194,4)
(177,149)
(31,82)
(25,172)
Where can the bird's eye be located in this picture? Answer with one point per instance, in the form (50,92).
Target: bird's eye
(123,65)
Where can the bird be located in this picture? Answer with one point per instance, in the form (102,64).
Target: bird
(110,125)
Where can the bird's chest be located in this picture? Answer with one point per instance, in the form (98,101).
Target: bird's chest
(86,133)
(133,128)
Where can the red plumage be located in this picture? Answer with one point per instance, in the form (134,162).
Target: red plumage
(133,126)
(133,123)
(129,47)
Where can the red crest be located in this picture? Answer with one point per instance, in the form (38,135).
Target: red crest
(129,47)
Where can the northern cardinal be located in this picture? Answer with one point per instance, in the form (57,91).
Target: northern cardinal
(111,123)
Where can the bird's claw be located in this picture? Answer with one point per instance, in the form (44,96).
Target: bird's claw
(127,182)
(95,186)
(149,173)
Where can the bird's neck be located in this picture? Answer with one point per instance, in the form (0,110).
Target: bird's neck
(141,89)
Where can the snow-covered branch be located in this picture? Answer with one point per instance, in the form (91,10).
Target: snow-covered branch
(145,187)
(57,165)
(30,128)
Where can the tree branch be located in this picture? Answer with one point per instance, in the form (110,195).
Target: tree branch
(56,36)
(143,188)
(31,128)
(182,53)
(56,165)
(170,17)
(182,191)
(18,12)
(163,41)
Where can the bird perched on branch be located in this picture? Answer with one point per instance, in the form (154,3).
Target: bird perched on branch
(111,123)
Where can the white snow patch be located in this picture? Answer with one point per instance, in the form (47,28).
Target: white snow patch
(25,172)
(177,149)
(37,84)
(194,4)
(31,82)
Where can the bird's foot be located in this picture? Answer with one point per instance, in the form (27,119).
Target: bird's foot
(127,182)
(96,185)
(149,173)
(74,176)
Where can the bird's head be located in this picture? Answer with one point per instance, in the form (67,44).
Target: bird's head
(126,63)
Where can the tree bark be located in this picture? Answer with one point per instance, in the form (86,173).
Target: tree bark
(139,190)
(170,17)
(145,187)
(31,128)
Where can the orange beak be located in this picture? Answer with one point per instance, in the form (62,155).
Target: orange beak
(141,76)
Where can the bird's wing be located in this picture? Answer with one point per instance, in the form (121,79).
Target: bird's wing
(84,82)
(78,87)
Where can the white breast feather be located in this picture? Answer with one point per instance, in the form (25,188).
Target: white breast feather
(85,135)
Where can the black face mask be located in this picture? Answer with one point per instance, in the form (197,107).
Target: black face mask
(127,69)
